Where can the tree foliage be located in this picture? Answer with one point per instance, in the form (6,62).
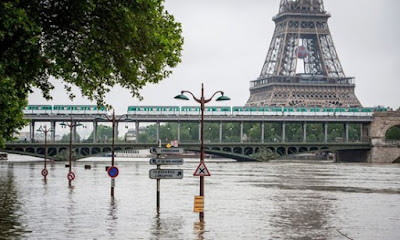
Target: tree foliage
(94,45)
(393,133)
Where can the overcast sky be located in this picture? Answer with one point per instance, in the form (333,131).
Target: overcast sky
(226,42)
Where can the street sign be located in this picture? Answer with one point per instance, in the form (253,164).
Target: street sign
(113,172)
(198,204)
(166,173)
(158,150)
(161,161)
(201,170)
(71,176)
(44,172)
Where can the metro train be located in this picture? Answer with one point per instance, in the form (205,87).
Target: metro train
(208,110)
(64,109)
(254,111)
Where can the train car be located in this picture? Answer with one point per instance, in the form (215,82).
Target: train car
(253,111)
(222,111)
(78,109)
(190,110)
(153,110)
(38,109)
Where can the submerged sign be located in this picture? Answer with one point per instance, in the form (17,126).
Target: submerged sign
(158,150)
(166,173)
(161,161)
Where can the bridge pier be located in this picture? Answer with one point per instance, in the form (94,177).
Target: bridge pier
(32,131)
(179,132)
(304,132)
(158,130)
(283,132)
(53,132)
(262,132)
(346,132)
(137,131)
(94,131)
(241,132)
(220,132)
(325,132)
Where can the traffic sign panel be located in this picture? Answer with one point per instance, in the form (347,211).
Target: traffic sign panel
(198,204)
(44,172)
(71,176)
(166,173)
(162,161)
(113,172)
(158,150)
(201,170)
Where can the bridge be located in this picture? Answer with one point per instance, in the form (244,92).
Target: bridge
(282,125)
(237,151)
(244,137)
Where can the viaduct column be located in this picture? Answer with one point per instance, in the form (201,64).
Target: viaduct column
(73,133)
(346,132)
(179,132)
(241,132)
(53,133)
(364,132)
(325,132)
(220,132)
(304,132)
(32,131)
(137,131)
(94,131)
(283,131)
(116,131)
(262,132)
(158,131)
(199,132)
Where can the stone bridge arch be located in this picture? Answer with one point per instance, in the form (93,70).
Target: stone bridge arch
(382,122)
(383,151)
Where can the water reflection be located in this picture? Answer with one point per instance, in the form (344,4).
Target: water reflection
(301,213)
(10,225)
(113,218)
(198,228)
(167,227)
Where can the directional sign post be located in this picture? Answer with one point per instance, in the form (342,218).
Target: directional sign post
(159,173)
(159,150)
(166,173)
(163,161)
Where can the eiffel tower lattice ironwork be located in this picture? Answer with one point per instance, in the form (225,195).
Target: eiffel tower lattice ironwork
(302,67)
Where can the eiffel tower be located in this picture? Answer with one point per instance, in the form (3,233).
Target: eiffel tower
(302,67)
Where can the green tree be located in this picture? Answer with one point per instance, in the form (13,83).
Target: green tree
(103,132)
(393,133)
(93,45)
(66,138)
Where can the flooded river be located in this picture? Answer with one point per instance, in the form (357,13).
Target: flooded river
(276,200)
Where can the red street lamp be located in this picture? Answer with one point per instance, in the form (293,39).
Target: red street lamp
(45,131)
(202,102)
(71,175)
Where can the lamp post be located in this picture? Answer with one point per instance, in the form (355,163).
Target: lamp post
(202,102)
(71,175)
(45,131)
(113,120)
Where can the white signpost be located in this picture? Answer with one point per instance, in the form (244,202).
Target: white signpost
(159,150)
(163,161)
(166,173)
